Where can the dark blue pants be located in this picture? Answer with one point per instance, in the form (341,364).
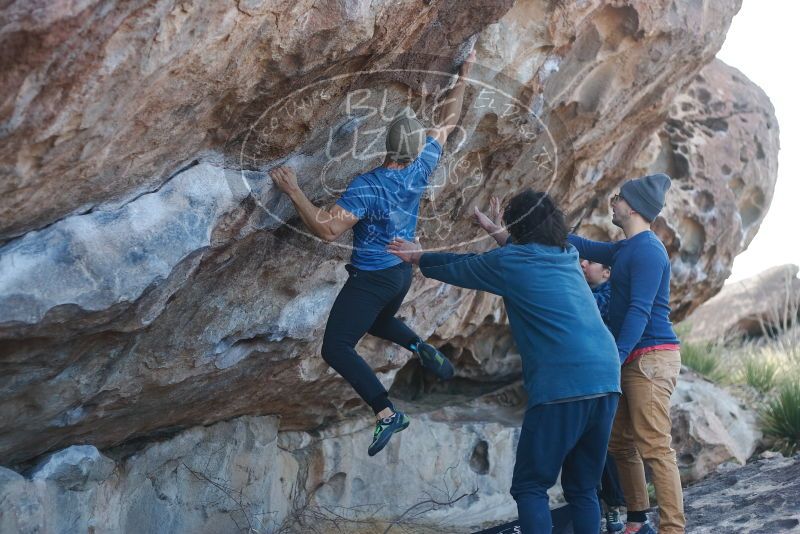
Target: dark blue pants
(367,303)
(571,437)
(610,491)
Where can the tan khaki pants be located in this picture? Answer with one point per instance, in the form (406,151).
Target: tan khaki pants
(642,431)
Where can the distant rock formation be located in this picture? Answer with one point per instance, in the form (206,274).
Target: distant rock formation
(763,304)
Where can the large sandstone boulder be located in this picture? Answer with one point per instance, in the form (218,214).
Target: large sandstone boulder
(763,304)
(103,102)
(152,279)
(713,146)
(216,479)
(450,469)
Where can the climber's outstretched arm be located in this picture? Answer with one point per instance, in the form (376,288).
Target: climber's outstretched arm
(327,225)
(450,111)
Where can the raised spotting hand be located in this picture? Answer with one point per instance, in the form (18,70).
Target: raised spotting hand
(409,252)
(492,222)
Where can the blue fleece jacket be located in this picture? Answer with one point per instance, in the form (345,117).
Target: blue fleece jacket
(602,295)
(638,313)
(566,349)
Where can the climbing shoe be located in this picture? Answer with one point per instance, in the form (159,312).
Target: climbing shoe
(384,429)
(613,522)
(644,529)
(434,360)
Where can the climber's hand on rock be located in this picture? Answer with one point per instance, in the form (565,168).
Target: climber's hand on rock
(409,252)
(284,179)
(466,67)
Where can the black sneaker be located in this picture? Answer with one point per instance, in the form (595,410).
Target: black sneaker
(434,360)
(613,522)
(384,430)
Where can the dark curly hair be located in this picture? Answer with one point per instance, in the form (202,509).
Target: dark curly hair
(533,217)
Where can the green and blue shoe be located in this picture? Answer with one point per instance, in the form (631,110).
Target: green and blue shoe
(384,430)
(433,360)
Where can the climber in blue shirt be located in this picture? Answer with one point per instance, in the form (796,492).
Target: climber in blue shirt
(380,205)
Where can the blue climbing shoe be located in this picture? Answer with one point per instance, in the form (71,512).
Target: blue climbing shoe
(433,360)
(384,429)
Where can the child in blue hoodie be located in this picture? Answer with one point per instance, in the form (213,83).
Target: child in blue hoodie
(572,380)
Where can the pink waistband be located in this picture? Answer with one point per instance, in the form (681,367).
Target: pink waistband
(644,350)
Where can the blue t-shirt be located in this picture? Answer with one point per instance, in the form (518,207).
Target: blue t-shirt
(386,202)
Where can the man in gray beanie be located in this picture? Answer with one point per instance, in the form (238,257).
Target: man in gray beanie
(649,353)
(380,205)
(645,195)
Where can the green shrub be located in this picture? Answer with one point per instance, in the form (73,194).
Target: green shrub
(781,417)
(760,373)
(703,359)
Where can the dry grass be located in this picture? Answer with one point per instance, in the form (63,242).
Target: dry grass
(702,358)
(759,373)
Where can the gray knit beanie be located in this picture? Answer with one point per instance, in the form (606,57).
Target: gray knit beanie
(646,194)
(405,137)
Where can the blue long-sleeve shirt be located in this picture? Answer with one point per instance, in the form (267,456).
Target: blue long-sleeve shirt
(638,314)
(566,349)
